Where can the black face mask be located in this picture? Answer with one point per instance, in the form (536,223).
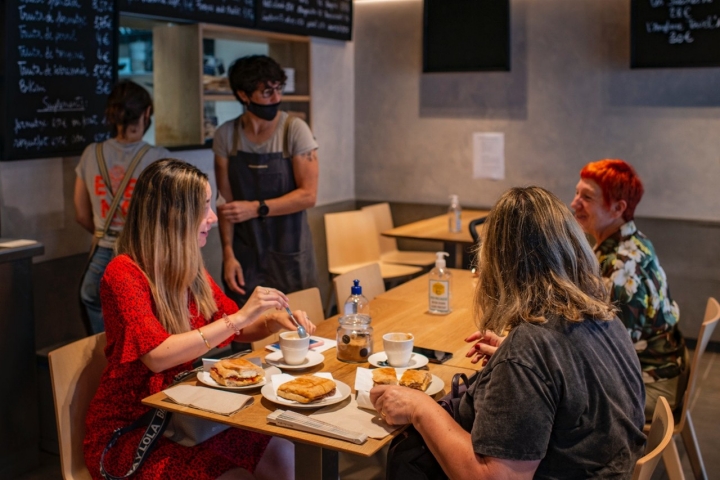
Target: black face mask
(266,112)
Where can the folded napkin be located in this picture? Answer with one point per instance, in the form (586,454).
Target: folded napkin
(350,417)
(278,380)
(208,399)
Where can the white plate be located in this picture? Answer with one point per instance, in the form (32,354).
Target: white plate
(205,378)
(312,359)
(269,393)
(436,385)
(379,359)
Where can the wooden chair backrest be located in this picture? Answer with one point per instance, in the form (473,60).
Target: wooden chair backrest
(308,300)
(351,238)
(712,315)
(75,371)
(660,435)
(371,282)
(383,221)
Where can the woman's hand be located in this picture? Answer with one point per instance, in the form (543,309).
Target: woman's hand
(399,405)
(486,344)
(281,321)
(262,299)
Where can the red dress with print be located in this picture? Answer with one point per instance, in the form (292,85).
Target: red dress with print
(133,330)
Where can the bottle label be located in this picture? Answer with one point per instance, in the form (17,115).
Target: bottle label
(439,296)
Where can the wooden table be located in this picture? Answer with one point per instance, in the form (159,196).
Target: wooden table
(436,229)
(401,309)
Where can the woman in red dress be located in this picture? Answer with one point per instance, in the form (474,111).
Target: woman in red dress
(162,311)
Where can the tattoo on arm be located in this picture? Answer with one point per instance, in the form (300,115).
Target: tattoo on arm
(309,156)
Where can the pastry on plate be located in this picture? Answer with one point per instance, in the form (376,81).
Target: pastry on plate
(307,389)
(417,379)
(236,372)
(384,376)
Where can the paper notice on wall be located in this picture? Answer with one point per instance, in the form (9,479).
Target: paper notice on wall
(489,155)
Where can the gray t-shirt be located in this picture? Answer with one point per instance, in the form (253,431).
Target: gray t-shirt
(300,139)
(568,394)
(117,158)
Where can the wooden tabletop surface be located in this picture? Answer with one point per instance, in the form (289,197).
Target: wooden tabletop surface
(403,309)
(436,228)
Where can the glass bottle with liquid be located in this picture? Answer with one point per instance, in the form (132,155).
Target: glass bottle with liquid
(356,303)
(454,215)
(440,287)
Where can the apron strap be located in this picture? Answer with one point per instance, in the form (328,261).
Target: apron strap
(116,196)
(237,140)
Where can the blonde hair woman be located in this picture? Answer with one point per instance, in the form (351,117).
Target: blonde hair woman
(162,311)
(562,395)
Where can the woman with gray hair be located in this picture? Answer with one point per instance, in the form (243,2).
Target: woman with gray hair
(562,394)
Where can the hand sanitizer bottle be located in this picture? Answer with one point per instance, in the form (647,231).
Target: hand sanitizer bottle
(454,215)
(440,286)
(356,302)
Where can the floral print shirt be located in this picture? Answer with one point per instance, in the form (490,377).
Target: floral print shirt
(638,287)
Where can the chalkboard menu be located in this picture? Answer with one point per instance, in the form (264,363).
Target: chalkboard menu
(59,59)
(466,35)
(675,33)
(239,13)
(319,18)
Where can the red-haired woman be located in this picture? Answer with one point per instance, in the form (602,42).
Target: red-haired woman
(604,206)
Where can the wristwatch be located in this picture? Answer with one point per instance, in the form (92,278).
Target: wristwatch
(263,209)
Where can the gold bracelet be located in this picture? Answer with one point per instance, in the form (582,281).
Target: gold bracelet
(230,325)
(204,339)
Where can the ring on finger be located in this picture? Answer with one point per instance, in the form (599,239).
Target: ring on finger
(267,291)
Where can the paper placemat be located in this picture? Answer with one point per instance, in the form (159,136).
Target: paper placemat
(208,399)
(350,417)
(278,380)
(327,345)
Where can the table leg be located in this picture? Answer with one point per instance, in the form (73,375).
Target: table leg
(315,463)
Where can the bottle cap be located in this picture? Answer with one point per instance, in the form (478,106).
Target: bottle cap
(453,199)
(440,261)
(356,289)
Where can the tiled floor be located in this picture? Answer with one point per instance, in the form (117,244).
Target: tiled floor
(705,408)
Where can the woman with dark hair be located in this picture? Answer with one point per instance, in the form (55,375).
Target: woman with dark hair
(100,173)
(604,205)
(561,396)
(162,311)
(266,168)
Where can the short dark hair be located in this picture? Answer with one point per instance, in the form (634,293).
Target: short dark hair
(126,104)
(247,72)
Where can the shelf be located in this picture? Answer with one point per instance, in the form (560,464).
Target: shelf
(229,97)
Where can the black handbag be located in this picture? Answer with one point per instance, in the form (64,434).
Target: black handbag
(409,457)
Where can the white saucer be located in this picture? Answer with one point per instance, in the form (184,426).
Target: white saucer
(204,377)
(312,359)
(379,359)
(343,390)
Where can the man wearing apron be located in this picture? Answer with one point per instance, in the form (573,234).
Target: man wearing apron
(267,172)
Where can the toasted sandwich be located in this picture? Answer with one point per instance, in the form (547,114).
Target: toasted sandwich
(417,379)
(236,372)
(307,389)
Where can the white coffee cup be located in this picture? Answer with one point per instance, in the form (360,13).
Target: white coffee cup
(398,348)
(294,349)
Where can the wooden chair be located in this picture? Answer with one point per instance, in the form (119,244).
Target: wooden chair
(75,371)
(308,300)
(388,246)
(684,424)
(370,280)
(352,243)
(659,437)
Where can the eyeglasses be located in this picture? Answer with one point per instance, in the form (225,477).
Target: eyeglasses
(268,92)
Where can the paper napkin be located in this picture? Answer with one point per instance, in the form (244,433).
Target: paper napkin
(350,417)
(208,399)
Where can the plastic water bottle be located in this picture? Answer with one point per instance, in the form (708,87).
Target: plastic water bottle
(454,215)
(356,303)
(440,286)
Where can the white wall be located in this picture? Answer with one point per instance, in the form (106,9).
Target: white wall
(569,99)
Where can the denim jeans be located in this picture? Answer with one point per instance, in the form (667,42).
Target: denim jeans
(90,288)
